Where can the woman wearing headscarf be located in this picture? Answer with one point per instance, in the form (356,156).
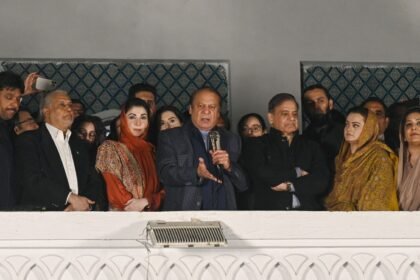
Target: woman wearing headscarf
(366,169)
(409,166)
(128,165)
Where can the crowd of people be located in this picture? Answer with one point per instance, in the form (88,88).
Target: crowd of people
(155,159)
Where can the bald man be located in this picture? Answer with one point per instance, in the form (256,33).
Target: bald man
(53,165)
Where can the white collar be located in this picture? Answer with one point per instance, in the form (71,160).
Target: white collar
(58,134)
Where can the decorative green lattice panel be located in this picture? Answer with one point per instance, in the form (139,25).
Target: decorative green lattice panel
(351,83)
(104,85)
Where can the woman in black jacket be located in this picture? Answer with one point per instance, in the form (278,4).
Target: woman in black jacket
(285,170)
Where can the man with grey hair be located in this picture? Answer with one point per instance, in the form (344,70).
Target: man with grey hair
(53,165)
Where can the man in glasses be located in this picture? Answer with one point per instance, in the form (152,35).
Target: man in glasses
(24,122)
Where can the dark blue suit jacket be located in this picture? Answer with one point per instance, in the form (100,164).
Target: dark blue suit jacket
(177,169)
(41,174)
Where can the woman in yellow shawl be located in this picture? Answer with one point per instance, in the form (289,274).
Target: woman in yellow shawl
(366,169)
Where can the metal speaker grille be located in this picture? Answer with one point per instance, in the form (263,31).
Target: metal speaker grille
(186,234)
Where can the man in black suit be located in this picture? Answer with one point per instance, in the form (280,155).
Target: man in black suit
(11,89)
(53,165)
(196,175)
(326,126)
(286,171)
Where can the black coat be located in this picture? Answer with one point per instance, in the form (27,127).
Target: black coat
(7,176)
(41,174)
(269,160)
(177,169)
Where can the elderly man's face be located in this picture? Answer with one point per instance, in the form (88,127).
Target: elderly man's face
(285,117)
(205,110)
(58,113)
(9,103)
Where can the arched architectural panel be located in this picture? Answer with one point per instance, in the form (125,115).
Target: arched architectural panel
(209,271)
(174,272)
(35,273)
(140,272)
(411,272)
(277,270)
(347,271)
(314,271)
(381,271)
(5,273)
(105,273)
(71,272)
(106,247)
(244,272)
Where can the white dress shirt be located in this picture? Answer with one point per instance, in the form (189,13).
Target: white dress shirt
(61,142)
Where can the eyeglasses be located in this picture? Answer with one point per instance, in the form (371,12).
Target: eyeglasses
(252,129)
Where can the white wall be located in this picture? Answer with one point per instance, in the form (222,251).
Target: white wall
(264,40)
(274,245)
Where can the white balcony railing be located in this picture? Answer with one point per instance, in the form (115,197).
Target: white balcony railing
(261,245)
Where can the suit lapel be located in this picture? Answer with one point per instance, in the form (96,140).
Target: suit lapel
(52,156)
(78,161)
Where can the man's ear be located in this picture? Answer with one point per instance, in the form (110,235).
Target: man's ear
(189,109)
(386,122)
(330,104)
(44,112)
(270,118)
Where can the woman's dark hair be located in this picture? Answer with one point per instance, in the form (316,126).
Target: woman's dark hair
(155,128)
(97,123)
(166,108)
(278,99)
(244,119)
(113,132)
(415,109)
(359,110)
(136,102)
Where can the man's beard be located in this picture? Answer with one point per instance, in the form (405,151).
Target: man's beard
(320,119)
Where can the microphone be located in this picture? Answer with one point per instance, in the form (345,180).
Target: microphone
(214,137)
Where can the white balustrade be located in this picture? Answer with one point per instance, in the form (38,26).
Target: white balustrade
(261,245)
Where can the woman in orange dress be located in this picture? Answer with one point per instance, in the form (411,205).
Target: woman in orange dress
(128,165)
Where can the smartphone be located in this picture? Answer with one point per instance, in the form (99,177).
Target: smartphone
(44,84)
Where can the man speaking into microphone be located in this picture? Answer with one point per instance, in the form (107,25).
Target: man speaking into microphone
(197,163)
